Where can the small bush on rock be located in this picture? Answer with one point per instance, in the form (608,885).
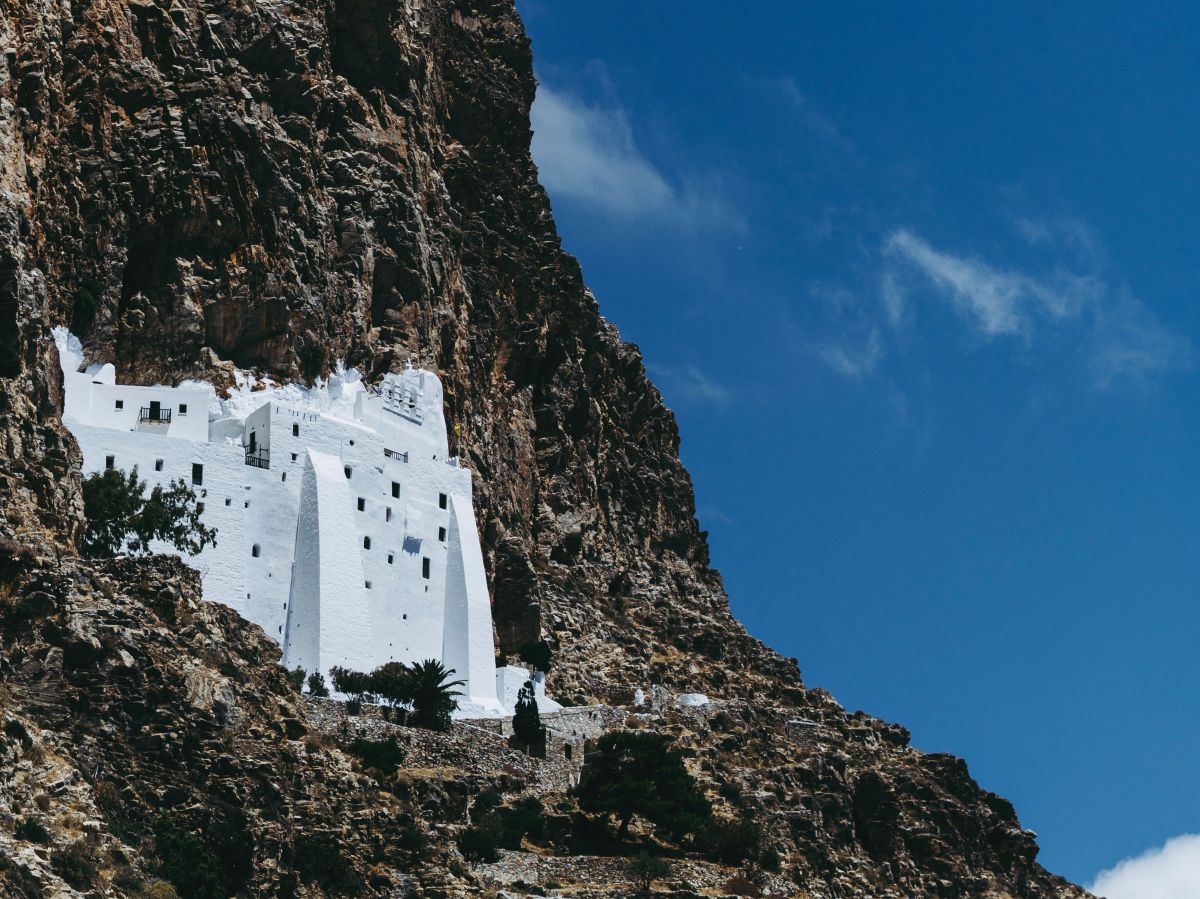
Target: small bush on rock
(32,830)
(385,754)
(318,859)
(481,842)
(316,684)
(76,864)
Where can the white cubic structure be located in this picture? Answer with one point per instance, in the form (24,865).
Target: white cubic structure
(344,527)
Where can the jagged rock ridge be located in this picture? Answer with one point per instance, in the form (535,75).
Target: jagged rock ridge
(193,185)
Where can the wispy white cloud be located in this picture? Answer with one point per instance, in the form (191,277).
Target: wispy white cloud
(849,340)
(1118,336)
(588,153)
(690,385)
(1170,871)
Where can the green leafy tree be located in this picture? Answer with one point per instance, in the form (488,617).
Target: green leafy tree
(392,682)
(296,677)
(646,868)
(432,694)
(121,516)
(637,773)
(527,722)
(316,684)
(355,684)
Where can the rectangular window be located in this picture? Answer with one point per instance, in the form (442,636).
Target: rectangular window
(425,568)
(183,408)
(362,504)
(442,534)
(366,542)
(158,464)
(199,508)
(441,500)
(293,457)
(388,515)
(391,558)
(368,584)
(349,471)
(395,489)
(295,430)
(228,501)
(197,473)
(120,404)
(110,462)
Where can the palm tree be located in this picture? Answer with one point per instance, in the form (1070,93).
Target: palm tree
(432,694)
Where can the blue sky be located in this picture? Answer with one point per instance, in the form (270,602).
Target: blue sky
(918,281)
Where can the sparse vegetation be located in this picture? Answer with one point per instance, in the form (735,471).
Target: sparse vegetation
(316,684)
(32,830)
(537,655)
(639,774)
(645,868)
(296,677)
(731,842)
(121,517)
(318,859)
(76,864)
(384,755)
(186,862)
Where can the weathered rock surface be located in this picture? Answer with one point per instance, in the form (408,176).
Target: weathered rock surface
(273,184)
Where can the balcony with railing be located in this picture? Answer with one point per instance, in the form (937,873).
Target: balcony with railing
(257,457)
(155,415)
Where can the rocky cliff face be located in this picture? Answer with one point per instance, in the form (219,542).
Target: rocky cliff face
(193,185)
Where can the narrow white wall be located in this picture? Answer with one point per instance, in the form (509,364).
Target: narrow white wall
(468,646)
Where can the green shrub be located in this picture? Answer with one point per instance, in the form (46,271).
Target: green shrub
(120,515)
(187,863)
(731,842)
(646,868)
(481,842)
(385,754)
(296,677)
(318,859)
(32,830)
(76,864)
(316,684)
(538,655)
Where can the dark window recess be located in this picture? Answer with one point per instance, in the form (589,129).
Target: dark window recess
(391,558)
(362,504)
(197,473)
(388,516)
(110,462)
(442,534)
(293,457)
(367,584)
(199,508)
(158,464)
(366,542)
(120,404)
(183,408)
(295,430)
(441,500)
(349,471)
(425,568)
(228,501)
(395,489)
(284,478)
(256,550)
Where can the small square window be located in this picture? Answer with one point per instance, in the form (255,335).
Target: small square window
(199,508)
(110,462)
(197,473)
(183,408)
(246,504)
(256,550)
(120,404)
(395,489)
(442,534)
(368,584)
(293,457)
(349,471)
(366,542)
(158,464)
(425,568)
(362,504)
(391,558)
(295,430)
(228,501)
(441,500)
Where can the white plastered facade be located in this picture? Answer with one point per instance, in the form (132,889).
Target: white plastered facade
(344,528)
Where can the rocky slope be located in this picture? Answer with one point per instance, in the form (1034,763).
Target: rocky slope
(192,185)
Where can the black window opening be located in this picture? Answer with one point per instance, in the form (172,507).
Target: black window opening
(228,501)
(391,558)
(183,408)
(366,542)
(284,478)
(367,584)
(199,508)
(295,430)
(293,457)
(110,462)
(256,550)
(388,515)
(349,471)
(441,500)
(425,567)
(158,464)
(120,404)
(442,534)
(197,473)
(362,504)
(395,489)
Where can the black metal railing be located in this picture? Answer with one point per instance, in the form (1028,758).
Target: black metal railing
(149,413)
(257,457)
(392,454)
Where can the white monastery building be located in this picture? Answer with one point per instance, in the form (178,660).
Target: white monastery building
(344,527)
